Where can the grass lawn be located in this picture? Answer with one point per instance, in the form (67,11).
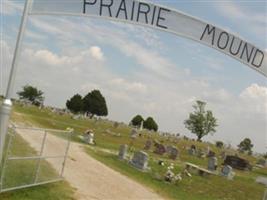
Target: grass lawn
(243,187)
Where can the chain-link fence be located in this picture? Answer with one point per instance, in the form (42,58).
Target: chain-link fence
(33,156)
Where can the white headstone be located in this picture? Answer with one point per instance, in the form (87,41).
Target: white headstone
(89,137)
(212,163)
(141,126)
(227,171)
(123,151)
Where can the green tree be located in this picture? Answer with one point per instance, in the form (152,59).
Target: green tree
(75,104)
(95,104)
(31,94)
(219,144)
(150,124)
(201,122)
(137,120)
(246,146)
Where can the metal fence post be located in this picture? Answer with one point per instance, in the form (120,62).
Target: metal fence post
(4,118)
(40,159)
(66,153)
(5,109)
(8,152)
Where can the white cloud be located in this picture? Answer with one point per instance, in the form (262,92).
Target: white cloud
(255,91)
(53,59)
(127,86)
(255,99)
(119,38)
(96,53)
(49,57)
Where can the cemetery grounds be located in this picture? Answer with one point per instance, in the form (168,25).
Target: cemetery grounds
(108,139)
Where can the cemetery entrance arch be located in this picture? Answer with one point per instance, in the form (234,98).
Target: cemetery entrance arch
(139,13)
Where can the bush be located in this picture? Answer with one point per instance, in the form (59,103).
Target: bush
(150,124)
(137,121)
(219,144)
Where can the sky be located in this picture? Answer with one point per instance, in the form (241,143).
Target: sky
(144,71)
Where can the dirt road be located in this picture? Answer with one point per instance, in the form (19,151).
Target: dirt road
(92,179)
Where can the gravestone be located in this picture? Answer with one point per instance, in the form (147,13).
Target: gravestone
(262,162)
(237,163)
(169,149)
(141,126)
(223,155)
(174,153)
(116,125)
(262,180)
(133,133)
(140,160)
(211,154)
(227,171)
(123,151)
(201,153)
(160,149)
(88,137)
(148,145)
(192,150)
(212,163)
(207,150)
(265,195)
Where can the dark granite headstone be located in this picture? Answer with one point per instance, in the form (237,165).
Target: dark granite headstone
(237,163)
(160,149)
(174,153)
(140,160)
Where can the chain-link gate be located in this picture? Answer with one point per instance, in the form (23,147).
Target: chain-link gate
(33,156)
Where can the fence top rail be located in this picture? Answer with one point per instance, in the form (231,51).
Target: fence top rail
(35,157)
(39,129)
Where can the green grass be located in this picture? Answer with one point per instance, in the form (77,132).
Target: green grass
(22,172)
(243,187)
(53,191)
(195,188)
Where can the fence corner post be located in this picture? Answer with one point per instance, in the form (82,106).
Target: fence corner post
(5,111)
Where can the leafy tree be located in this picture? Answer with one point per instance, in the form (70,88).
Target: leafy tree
(150,124)
(75,104)
(31,94)
(137,120)
(245,145)
(201,122)
(219,144)
(95,104)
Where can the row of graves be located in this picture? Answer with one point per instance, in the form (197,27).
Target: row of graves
(160,149)
(230,162)
(140,159)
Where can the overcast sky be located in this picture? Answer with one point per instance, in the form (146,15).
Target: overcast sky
(143,71)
